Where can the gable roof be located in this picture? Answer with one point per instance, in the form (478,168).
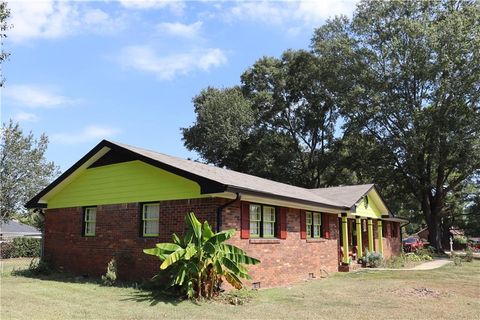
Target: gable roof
(210,178)
(347,196)
(15,227)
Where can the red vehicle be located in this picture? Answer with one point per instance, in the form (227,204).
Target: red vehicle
(474,244)
(412,244)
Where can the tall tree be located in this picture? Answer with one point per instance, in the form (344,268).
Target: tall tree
(413,73)
(279,124)
(4,26)
(24,171)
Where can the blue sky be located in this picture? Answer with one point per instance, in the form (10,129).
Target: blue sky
(127,70)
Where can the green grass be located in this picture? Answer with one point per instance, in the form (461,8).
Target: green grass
(451,292)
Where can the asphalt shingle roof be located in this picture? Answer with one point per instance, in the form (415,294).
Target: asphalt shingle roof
(344,196)
(17,227)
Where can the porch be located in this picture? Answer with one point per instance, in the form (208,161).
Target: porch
(357,234)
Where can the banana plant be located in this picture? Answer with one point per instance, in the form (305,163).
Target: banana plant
(200,261)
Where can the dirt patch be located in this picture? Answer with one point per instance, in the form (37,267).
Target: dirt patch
(420,292)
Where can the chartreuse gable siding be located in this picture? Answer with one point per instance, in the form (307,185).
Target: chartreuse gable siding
(371,211)
(132,181)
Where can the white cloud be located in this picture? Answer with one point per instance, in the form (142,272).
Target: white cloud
(176,6)
(145,59)
(180,30)
(90,133)
(51,19)
(36,97)
(308,13)
(25,116)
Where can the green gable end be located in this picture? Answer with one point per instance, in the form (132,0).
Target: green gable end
(133,181)
(368,209)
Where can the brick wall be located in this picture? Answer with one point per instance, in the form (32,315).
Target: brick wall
(117,235)
(392,245)
(290,260)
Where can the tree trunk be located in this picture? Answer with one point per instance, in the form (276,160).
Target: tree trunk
(435,232)
(432,214)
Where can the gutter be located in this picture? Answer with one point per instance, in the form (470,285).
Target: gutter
(285,198)
(223,206)
(401,226)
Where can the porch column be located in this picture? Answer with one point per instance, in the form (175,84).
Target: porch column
(370,235)
(346,258)
(359,238)
(380,236)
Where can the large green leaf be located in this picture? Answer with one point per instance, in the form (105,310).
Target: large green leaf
(194,225)
(156,252)
(240,258)
(222,236)
(172,258)
(176,239)
(190,251)
(209,248)
(167,247)
(207,231)
(233,266)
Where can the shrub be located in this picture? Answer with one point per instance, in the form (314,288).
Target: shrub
(110,277)
(198,263)
(373,259)
(21,248)
(36,267)
(457,260)
(468,254)
(39,267)
(426,253)
(459,240)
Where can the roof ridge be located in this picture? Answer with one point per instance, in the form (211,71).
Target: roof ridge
(209,165)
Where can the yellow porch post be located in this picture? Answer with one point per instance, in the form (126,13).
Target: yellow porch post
(346,258)
(380,236)
(359,238)
(370,235)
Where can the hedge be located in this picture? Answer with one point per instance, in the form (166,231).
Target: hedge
(20,247)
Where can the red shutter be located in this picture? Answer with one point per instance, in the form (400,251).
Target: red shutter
(245,220)
(303,225)
(326,225)
(282,223)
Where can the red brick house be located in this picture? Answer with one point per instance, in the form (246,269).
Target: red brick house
(119,199)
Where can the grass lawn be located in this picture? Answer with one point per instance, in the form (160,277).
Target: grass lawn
(451,292)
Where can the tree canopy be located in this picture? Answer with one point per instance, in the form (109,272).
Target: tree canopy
(24,171)
(4,26)
(390,96)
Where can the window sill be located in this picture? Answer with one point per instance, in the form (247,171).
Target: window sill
(264,241)
(314,240)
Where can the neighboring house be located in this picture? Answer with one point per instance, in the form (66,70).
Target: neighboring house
(453,231)
(119,199)
(14,229)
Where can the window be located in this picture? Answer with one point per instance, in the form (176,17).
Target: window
(314,224)
(150,219)
(262,221)
(89,221)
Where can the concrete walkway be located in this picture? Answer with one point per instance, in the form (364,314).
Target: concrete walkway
(429,265)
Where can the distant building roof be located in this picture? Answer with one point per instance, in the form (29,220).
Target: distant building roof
(15,228)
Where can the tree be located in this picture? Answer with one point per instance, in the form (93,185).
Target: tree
(24,171)
(278,124)
(4,26)
(198,262)
(414,86)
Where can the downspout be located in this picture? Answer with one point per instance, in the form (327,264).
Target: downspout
(401,236)
(223,206)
